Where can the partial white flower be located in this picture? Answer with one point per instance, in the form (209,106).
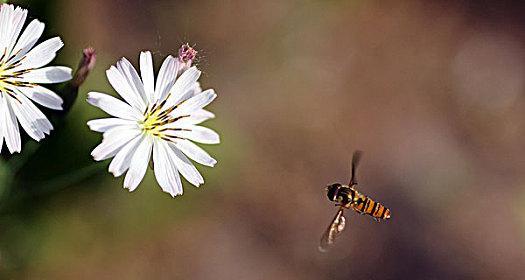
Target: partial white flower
(160,118)
(21,70)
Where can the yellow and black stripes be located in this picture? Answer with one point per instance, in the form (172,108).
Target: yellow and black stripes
(349,197)
(365,205)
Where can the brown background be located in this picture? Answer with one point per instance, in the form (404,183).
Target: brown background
(432,91)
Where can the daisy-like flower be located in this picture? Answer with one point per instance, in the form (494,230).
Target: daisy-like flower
(21,70)
(160,118)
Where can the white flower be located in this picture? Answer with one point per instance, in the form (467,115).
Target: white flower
(161,118)
(21,70)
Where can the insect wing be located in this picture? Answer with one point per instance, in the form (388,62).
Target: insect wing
(356,158)
(334,229)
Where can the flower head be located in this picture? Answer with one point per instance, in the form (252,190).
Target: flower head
(21,70)
(186,55)
(160,118)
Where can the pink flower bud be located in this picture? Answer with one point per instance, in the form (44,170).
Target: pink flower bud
(85,66)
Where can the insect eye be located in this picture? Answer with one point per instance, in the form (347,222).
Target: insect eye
(332,192)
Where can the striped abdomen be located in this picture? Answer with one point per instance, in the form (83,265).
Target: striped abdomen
(365,205)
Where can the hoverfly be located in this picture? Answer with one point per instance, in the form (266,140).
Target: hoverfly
(346,197)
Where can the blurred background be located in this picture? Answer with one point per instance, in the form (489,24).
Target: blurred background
(431,91)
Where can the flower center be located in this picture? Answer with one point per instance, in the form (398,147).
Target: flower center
(157,122)
(2,79)
(153,122)
(8,77)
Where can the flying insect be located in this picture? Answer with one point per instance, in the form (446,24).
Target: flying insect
(348,197)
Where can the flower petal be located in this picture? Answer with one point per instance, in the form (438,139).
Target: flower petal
(122,159)
(39,118)
(102,125)
(31,118)
(146,72)
(185,167)
(48,75)
(166,78)
(195,152)
(129,73)
(119,82)
(195,103)
(40,55)
(186,82)
(196,133)
(195,118)
(18,18)
(113,140)
(139,164)
(1,138)
(113,106)
(43,96)
(196,89)
(200,116)
(166,172)
(28,39)
(204,135)
(10,127)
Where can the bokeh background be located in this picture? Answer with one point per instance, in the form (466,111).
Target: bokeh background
(432,91)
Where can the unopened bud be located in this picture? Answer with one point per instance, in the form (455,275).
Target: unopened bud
(70,92)
(85,66)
